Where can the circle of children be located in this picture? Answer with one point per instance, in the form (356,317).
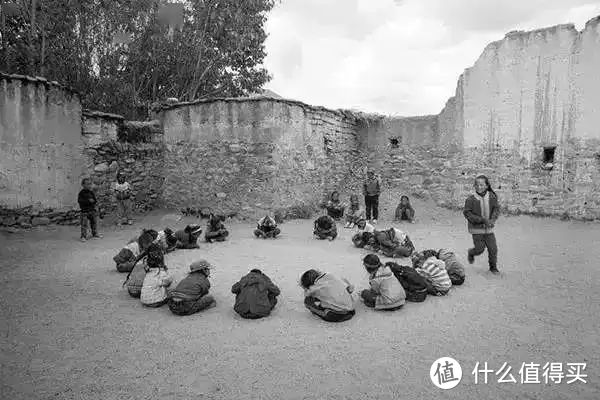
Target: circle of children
(433,271)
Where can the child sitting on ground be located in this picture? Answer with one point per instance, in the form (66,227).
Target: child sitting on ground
(266,228)
(215,230)
(434,272)
(167,240)
(157,279)
(335,208)
(414,284)
(135,280)
(154,258)
(404,211)
(325,228)
(455,269)
(255,295)
(187,238)
(191,294)
(89,213)
(386,292)
(418,258)
(355,212)
(327,297)
(394,243)
(123,194)
(126,258)
(364,234)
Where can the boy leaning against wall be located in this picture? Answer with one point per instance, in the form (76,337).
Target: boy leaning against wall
(89,214)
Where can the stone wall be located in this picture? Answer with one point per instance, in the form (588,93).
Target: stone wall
(527,92)
(527,96)
(48,144)
(139,157)
(254,155)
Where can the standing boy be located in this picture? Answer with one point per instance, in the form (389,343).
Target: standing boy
(371,191)
(89,215)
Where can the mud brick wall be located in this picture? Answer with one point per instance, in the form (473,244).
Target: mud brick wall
(40,143)
(255,155)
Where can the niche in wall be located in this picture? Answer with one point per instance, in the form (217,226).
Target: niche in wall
(548,157)
(395,142)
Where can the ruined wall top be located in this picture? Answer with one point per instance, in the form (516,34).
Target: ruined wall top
(352,115)
(37,80)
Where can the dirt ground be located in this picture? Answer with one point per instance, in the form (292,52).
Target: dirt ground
(70,331)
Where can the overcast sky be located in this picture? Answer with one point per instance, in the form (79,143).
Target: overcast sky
(400,57)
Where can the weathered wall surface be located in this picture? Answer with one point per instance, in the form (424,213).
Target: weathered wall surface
(528,91)
(48,144)
(254,155)
(40,144)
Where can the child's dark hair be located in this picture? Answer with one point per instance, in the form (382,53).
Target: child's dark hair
(146,238)
(371,263)
(405,197)
(487,183)
(84,180)
(156,257)
(367,236)
(308,278)
(257,271)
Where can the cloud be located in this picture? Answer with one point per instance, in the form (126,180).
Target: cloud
(492,15)
(396,57)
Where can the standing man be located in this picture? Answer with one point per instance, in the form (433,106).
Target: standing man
(371,191)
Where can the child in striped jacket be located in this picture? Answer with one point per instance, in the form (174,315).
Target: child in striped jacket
(434,272)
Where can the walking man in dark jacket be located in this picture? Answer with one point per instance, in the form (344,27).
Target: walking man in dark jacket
(371,191)
(256,295)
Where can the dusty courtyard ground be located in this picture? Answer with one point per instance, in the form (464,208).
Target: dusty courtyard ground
(70,331)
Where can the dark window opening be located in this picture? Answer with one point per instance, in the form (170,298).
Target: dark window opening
(548,160)
(395,143)
(327,146)
(549,154)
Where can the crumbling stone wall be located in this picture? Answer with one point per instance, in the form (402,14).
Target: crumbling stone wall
(528,93)
(48,144)
(250,156)
(135,148)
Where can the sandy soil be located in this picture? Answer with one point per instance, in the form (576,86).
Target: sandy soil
(69,330)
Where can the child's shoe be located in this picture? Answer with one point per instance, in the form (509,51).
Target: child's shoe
(98,236)
(83,240)
(470,258)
